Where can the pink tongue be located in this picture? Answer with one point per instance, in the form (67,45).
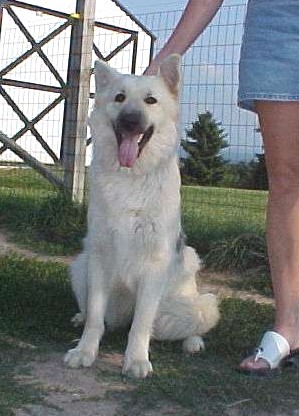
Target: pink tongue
(128,151)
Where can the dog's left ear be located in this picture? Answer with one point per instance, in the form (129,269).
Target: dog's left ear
(104,75)
(170,70)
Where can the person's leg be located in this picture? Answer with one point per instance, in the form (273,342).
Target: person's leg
(279,123)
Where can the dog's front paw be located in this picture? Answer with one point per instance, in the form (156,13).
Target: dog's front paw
(193,344)
(137,368)
(78,357)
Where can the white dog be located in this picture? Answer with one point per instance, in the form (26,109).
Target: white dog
(135,266)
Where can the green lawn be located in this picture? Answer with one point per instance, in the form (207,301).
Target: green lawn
(36,305)
(30,208)
(212,214)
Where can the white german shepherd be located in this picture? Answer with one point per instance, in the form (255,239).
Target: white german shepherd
(135,266)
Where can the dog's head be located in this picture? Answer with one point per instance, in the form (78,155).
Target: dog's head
(141,112)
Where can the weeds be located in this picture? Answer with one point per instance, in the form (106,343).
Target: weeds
(58,219)
(246,251)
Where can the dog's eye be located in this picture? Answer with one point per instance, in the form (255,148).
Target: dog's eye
(150,100)
(119,98)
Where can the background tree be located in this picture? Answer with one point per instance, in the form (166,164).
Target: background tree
(260,176)
(252,175)
(204,165)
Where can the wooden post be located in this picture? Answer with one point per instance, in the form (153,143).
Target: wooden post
(73,149)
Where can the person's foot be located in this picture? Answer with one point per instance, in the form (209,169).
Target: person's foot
(253,365)
(270,355)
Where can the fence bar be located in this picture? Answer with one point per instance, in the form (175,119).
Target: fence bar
(73,150)
(34,49)
(134,57)
(35,8)
(31,85)
(31,161)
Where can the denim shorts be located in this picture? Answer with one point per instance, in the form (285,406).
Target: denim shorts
(269,62)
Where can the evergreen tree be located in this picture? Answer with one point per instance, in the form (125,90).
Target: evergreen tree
(204,165)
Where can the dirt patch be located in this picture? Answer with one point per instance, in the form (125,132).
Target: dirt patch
(94,391)
(7,247)
(219,283)
(71,392)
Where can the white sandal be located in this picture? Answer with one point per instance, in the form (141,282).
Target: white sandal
(274,349)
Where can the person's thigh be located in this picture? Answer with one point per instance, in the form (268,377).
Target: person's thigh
(279,123)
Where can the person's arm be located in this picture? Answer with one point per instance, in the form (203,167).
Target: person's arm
(195,18)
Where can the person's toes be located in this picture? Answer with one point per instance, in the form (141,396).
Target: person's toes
(250,364)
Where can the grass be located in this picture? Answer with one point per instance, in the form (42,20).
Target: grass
(38,217)
(36,305)
(215,214)
(226,226)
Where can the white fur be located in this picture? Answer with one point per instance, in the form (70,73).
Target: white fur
(135,266)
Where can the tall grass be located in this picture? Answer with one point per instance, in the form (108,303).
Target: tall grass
(37,215)
(215,214)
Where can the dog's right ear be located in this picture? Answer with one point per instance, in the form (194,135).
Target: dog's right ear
(104,75)
(170,70)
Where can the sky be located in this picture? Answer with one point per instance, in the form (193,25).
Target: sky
(138,6)
(210,72)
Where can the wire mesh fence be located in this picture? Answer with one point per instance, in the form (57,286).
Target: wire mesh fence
(210,83)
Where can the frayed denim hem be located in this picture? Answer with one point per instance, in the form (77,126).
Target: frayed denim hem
(246,101)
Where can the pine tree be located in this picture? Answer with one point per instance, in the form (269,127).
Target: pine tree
(204,165)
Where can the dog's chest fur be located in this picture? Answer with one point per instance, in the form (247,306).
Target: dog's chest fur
(137,219)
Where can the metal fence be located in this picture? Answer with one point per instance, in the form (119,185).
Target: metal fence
(45,84)
(210,74)
(210,80)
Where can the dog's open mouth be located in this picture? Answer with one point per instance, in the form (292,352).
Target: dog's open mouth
(130,145)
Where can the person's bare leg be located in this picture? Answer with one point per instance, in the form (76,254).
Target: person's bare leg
(279,123)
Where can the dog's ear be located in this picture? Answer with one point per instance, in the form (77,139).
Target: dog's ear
(104,75)
(170,70)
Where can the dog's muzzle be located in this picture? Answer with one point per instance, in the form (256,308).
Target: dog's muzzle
(132,136)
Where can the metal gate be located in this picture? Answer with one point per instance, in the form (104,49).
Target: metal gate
(74,91)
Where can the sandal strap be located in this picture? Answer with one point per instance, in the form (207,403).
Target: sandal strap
(273,349)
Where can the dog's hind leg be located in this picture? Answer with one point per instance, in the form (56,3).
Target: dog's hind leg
(78,274)
(184,314)
(186,318)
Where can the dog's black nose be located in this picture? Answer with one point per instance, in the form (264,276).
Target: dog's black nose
(130,121)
